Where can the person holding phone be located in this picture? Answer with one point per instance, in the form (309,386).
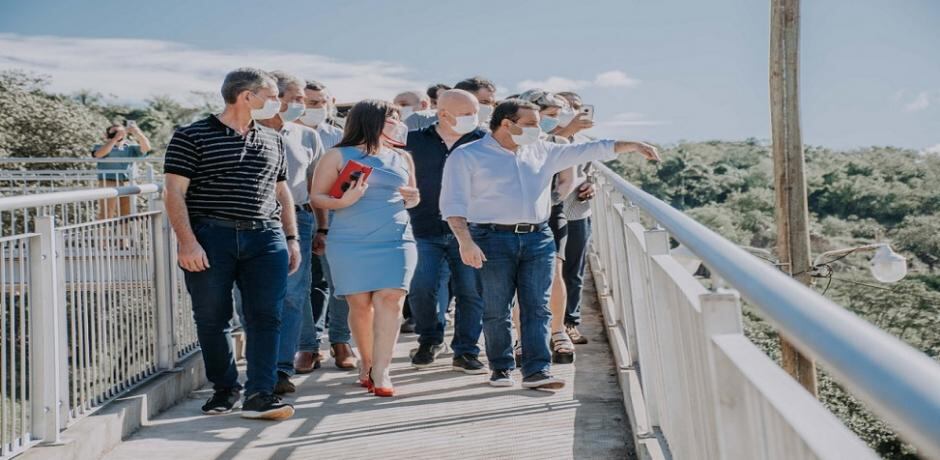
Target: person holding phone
(116,145)
(371,248)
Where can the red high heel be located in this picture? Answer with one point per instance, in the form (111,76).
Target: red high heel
(367,382)
(380,391)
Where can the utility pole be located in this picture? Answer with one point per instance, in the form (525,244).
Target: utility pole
(792,213)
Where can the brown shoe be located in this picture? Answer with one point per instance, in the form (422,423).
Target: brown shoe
(344,356)
(575,335)
(306,361)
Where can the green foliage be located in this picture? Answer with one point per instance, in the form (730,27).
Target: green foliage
(855,197)
(38,124)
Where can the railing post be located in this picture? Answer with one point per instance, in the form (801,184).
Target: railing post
(656,241)
(46,360)
(721,314)
(133,175)
(164,311)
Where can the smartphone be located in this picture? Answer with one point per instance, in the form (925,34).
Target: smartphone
(130,123)
(587,112)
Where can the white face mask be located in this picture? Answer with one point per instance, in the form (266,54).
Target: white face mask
(466,123)
(406,112)
(529,135)
(293,112)
(565,117)
(395,133)
(270,108)
(485,113)
(313,117)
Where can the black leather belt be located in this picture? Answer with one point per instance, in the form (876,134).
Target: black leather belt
(305,207)
(514,228)
(240,224)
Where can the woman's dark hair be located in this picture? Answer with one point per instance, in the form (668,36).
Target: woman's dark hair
(364,124)
(509,109)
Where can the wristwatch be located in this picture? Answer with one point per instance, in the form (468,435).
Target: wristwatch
(291,237)
(323,231)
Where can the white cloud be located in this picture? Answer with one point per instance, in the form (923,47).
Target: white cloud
(920,102)
(632,119)
(134,69)
(615,78)
(609,79)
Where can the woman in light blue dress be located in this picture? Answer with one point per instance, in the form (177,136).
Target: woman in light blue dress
(370,248)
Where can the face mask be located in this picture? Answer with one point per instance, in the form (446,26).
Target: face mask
(465,124)
(548,123)
(485,113)
(395,133)
(405,112)
(270,108)
(313,117)
(529,135)
(565,117)
(293,112)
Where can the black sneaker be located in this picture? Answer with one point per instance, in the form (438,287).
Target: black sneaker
(284,385)
(426,355)
(221,402)
(502,378)
(468,364)
(543,381)
(407,327)
(266,407)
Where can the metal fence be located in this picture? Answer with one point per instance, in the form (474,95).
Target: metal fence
(89,310)
(696,387)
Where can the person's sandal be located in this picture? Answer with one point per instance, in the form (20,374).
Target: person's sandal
(562,348)
(575,334)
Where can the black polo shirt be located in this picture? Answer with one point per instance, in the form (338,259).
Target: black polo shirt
(231,176)
(429,153)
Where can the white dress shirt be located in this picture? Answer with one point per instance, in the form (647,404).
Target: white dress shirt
(488,184)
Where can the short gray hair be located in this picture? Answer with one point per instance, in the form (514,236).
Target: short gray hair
(417,95)
(245,79)
(285,80)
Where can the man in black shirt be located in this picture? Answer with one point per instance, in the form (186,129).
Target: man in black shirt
(457,112)
(228,201)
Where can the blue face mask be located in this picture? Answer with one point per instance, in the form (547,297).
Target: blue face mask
(548,123)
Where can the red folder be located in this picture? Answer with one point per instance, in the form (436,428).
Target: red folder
(350,173)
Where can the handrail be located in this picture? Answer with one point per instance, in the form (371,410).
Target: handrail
(74,196)
(899,382)
(54,160)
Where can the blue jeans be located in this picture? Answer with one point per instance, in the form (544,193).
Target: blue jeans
(297,300)
(579,234)
(439,257)
(327,311)
(524,264)
(255,260)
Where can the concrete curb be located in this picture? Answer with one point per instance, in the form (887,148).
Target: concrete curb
(95,435)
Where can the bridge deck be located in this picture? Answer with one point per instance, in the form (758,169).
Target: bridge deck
(440,414)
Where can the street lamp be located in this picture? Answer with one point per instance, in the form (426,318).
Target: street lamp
(886,266)
(691,262)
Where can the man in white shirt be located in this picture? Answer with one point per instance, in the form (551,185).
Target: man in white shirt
(496,198)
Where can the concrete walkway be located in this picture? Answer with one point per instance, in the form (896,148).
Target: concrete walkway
(440,414)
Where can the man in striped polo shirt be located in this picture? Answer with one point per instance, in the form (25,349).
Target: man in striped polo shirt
(229,203)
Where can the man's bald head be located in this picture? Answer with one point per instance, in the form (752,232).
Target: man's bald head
(457,102)
(414,99)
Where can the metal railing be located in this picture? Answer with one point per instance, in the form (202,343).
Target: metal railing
(698,386)
(88,310)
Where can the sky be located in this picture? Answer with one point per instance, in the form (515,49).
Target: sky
(662,71)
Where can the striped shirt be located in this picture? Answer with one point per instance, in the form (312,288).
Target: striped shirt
(231,176)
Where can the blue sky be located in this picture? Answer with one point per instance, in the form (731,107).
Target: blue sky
(657,70)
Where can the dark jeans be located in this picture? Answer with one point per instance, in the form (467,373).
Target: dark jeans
(428,297)
(579,234)
(523,264)
(255,260)
(297,299)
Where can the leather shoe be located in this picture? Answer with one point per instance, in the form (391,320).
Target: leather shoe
(344,356)
(306,361)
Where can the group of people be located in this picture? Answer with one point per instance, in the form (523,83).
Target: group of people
(468,201)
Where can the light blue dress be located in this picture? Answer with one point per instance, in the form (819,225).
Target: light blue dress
(370,245)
